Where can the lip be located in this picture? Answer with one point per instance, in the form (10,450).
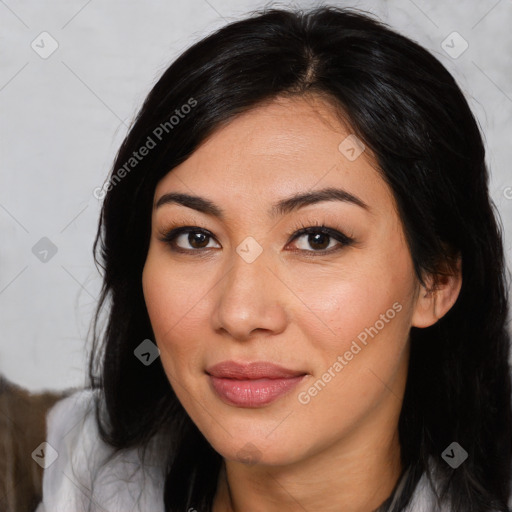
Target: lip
(250,371)
(252,384)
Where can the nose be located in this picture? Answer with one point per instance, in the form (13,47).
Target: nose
(249,300)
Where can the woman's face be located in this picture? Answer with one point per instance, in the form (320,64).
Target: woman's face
(243,286)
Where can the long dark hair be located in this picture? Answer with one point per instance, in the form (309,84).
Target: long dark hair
(406,107)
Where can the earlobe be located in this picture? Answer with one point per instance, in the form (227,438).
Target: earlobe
(436,298)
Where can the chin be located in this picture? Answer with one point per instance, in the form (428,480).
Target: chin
(255,451)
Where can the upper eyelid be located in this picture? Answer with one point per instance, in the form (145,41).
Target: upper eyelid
(183,230)
(302,230)
(298,232)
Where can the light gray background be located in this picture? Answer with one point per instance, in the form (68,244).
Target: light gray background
(64,117)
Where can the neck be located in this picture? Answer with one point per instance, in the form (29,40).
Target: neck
(357,474)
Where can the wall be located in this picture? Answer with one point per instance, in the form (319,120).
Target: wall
(64,114)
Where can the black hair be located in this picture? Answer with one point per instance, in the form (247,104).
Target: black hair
(405,106)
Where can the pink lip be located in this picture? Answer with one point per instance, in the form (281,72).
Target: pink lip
(254,384)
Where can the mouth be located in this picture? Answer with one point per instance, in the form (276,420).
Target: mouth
(254,384)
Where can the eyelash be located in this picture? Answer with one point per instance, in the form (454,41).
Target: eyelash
(296,232)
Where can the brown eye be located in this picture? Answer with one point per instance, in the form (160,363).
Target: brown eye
(197,240)
(188,239)
(321,239)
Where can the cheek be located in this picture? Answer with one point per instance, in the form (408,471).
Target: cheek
(360,351)
(339,306)
(173,302)
(361,315)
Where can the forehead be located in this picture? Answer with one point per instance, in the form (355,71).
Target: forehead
(287,146)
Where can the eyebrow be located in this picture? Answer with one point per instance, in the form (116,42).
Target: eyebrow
(282,207)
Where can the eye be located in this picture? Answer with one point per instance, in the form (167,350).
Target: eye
(321,239)
(315,240)
(196,238)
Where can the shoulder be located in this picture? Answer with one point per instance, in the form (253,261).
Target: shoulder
(425,497)
(426,494)
(83,473)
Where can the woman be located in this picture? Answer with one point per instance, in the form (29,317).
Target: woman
(306,283)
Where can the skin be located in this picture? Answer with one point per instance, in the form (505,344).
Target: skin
(340,451)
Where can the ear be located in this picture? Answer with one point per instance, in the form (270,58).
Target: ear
(436,298)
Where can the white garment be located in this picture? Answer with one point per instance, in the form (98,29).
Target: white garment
(78,482)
